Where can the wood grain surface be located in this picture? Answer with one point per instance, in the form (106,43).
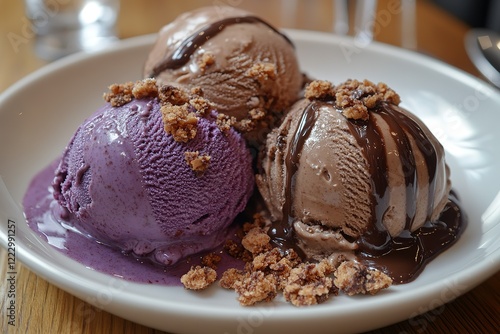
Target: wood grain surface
(43,308)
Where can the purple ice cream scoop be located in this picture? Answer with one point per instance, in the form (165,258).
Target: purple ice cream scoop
(124,181)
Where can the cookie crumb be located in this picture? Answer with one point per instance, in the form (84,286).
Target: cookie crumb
(237,251)
(145,88)
(179,121)
(257,114)
(199,278)
(224,122)
(197,91)
(310,284)
(319,89)
(269,271)
(230,277)
(263,72)
(246,125)
(355,278)
(201,105)
(198,162)
(256,241)
(206,60)
(355,98)
(119,94)
(172,95)
(255,287)
(211,260)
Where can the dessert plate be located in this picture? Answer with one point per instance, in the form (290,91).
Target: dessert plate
(39,114)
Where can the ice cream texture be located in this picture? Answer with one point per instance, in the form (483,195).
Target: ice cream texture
(247,68)
(155,173)
(349,172)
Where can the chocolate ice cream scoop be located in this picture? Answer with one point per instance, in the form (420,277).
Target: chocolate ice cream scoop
(246,67)
(349,171)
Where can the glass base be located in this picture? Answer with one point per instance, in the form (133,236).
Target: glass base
(60,43)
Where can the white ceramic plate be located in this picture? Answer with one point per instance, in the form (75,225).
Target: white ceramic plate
(39,114)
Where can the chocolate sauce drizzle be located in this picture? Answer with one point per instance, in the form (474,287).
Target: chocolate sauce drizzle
(404,256)
(282,234)
(187,48)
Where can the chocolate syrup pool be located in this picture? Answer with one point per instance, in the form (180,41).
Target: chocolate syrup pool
(43,215)
(402,257)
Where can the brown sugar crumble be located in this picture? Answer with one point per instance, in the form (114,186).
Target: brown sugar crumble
(319,89)
(310,284)
(180,109)
(198,162)
(263,72)
(256,241)
(211,260)
(145,88)
(173,95)
(119,95)
(255,287)
(224,122)
(179,121)
(199,278)
(201,105)
(269,271)
(355,98)
(206,60)
(354,278)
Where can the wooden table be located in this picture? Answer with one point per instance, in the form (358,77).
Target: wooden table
(44,308)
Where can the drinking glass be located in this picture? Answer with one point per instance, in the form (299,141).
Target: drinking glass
(63,27)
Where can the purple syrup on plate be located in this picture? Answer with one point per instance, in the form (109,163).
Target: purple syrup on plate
(42,213)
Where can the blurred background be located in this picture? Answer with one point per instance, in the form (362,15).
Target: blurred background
(433,27)
(476,13)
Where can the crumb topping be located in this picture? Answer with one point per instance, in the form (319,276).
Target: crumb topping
(198,162)
(319,89)
(310,284)
(197,91)
(263,72)
(355,98)
(255,287)
(224,122)
(206,60)
(230,277)
(199,278)
(180,109)
(270,271)
(145,88)
(201,105)
(173,95)
(256,241)
(354,278)
(245,125)
(179,121)
(211,260)
(257,114)
(237,251)
(119,95)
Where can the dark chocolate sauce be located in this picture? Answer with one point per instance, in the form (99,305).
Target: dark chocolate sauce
(368,135)
(402,257)
(405,261)
(282,234)
(181,55)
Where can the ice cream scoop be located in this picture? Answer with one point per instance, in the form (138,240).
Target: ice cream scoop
(246,67)
(154,173)
(350,171)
